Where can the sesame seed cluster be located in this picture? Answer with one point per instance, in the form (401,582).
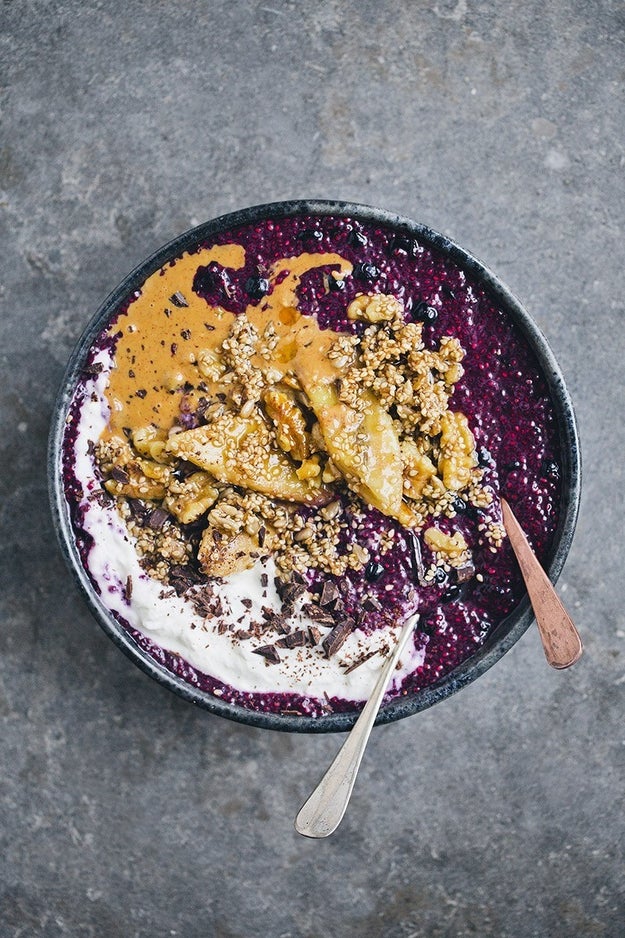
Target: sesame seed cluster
(240,485)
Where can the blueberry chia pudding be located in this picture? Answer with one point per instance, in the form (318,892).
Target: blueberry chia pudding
(292,437)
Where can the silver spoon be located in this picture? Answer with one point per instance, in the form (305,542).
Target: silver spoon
(323,812)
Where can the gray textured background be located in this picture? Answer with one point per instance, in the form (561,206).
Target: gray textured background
(125,811)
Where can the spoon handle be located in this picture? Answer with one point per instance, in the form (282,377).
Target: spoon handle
(324,810)
(561,642)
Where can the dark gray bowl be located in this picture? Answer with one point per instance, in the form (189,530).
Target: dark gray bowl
(507,632)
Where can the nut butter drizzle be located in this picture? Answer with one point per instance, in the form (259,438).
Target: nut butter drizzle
(159,342)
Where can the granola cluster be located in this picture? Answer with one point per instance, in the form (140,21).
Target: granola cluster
(271,459)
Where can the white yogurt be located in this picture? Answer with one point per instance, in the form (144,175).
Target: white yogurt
(172,623)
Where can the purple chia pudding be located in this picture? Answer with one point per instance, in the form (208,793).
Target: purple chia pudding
(279,585)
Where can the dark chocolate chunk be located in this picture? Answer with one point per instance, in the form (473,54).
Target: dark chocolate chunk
(318,613)
(269,653)
(371,604)
(178,299)
(329,594)
(142,393)
(93,369)
(294,640)
(157,519)
(242,634)
(337,637)
(314,634)
(465,571)
(247,603)
(120,475)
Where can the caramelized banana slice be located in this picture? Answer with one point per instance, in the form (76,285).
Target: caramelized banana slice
(458,457)
(418,469)
(289,422)
(240,451)
(223,555)
(362,445)
(189,499)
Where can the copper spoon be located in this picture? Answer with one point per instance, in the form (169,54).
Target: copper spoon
(322,813)
(561,642)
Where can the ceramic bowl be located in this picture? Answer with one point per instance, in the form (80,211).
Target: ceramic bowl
(507,632)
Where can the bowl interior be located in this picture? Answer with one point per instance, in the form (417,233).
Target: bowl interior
(509,629)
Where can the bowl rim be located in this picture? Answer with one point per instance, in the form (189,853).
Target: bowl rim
(507,632)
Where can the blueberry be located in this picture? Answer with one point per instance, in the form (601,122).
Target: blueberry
(336,286)
(424,313)
(459,505)
(450,594)
(484,457)
(403,243)
(449,293)
(368,272)
(256,287)
(440,576)
(356,239)
(373,571)
(552,470)
(205,280)
(311,235)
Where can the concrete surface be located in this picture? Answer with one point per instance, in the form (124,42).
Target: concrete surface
(126,812)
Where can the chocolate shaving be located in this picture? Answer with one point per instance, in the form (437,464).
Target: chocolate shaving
(181,578)
(269,653)
(264,579)
(128,588)
(275,620)
(139,510)
(242,634)
(101,498)
(356,664)
(178,299)
(186,334)
(142,393)
(337,637)
(95,368)
(247,603)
